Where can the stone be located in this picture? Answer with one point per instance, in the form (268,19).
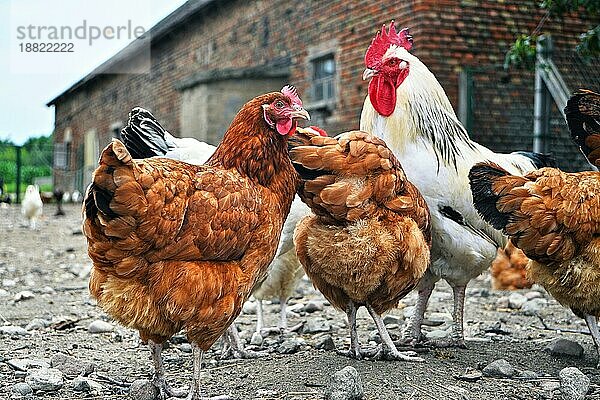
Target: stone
(408,312)
(437,334)
(11,330)
(289,346)
(256,339)
(325,343)
(37,324)
(345,385)
(502,302)
(390,319)
(499,369)
(86,385)
(22,389)
(249,307)
(71,366)
(564,347)
(45,379)
(25,364)
(143,389)
(516,300)
(313,306)
(185,347)
(314,325)
(24,295)
(534,294)
(100,326)
(534,306)
(574,384)
(470,375)
(527,374)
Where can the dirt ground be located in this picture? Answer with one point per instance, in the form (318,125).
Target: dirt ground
(51,264)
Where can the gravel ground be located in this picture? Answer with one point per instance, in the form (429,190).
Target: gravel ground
(43,288)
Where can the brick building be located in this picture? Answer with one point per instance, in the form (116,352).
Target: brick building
(210,56)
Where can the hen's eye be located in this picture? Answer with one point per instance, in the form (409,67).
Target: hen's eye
(279,104)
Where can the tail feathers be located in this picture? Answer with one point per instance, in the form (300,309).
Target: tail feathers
(539,160)
(114,190)
(144,136)
(583,118)
(482,177)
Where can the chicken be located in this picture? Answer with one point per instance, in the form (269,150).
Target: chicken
(407,107)
(180,246)
(145,137)
(508,269)
(32,206)
(368,244)
(554,216)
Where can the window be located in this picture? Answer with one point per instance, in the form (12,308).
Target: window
(61,155)
(323,89)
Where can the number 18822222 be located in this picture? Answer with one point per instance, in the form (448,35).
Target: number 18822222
(46,47)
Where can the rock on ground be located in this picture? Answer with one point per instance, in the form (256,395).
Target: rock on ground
(499,369)
(45,379)
(143,389)
(564,347)
(345,385)
(574,384)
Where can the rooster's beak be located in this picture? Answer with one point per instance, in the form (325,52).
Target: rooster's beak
(301,113)
(369,73)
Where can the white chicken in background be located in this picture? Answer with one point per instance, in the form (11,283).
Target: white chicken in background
(145,137)
(32,205)
(408,108)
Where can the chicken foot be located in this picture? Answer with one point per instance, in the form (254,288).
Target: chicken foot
(592,324)
(388,350)
(457,336)
(282,326)
(355,350)
(158,379)
(411,334)
(195,392)
(233,347)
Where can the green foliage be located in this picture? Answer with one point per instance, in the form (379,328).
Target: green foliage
(36,160)
(522,53)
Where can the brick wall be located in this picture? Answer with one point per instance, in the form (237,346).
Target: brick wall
(448,35)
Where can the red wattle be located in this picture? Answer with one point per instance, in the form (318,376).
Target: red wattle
(382,94)
(284,126)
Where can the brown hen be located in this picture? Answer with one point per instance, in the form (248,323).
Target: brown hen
(368,244)
(176,245)
(509,269)
(554,216)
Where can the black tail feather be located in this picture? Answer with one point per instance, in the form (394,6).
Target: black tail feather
(539,160)
(583,118)
(144,136)
(482,177)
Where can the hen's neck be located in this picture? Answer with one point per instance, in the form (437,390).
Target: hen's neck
(258,153)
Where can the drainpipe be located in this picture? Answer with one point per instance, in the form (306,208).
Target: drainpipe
(542,103)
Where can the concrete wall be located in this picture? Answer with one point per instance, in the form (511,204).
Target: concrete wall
(207,109)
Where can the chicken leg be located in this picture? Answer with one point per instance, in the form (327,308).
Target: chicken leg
(354,351)
(388,350)
(158,379)
(457,336)
(195,390)
(411,334)
(592,324)
(282,326)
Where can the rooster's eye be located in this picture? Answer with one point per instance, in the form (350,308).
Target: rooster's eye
(392,62)
(279,104)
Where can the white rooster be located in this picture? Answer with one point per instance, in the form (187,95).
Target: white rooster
(32,205)
(407,107)
(145,137)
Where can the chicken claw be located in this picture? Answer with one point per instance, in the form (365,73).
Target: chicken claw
(233,349)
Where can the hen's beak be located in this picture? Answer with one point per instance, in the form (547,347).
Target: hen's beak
(369,73)
(301,113)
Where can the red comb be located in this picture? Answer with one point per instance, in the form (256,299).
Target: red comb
(382,42)
(292,93)
(320,131)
